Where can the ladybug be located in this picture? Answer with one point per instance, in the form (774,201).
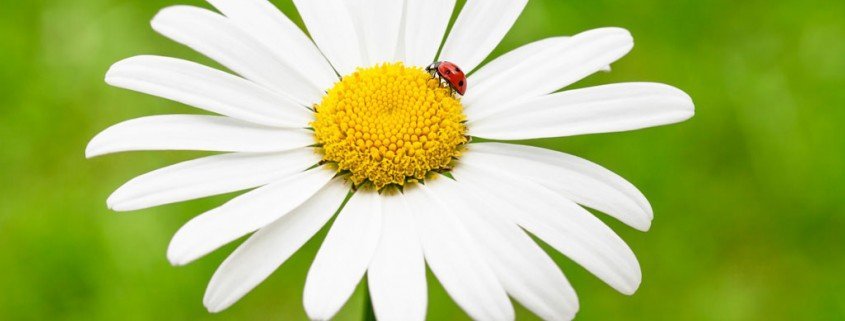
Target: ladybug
(449,72)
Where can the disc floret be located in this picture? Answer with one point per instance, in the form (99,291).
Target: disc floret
(389,124)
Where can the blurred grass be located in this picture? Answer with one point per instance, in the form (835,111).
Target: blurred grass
(748,195)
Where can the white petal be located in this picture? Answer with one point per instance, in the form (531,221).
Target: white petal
(425,23)
(559,222)
(195,132)
(602,109)
(546,71)
(332,28)
(344,256)
(396,276)
(526,272)
(456,259)
(381,22)
(575,178)
(263,21)
(478,30)
(271,246)
(505,62)
(209,176)
(207,88)
(244,214)
(216,37)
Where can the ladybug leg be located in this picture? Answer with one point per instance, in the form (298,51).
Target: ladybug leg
(434,74)
(445,83)
(448,85)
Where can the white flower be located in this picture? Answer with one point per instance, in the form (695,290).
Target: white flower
(384,126)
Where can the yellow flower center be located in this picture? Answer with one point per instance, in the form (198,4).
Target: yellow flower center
(389,124)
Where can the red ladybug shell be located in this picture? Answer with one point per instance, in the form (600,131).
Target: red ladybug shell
(452,74)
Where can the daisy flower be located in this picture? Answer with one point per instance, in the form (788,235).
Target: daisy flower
(348,121)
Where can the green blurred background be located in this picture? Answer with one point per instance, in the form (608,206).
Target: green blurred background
(748,195)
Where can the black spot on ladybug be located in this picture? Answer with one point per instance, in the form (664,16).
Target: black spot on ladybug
(461,83)
(458,69)
(448,72)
